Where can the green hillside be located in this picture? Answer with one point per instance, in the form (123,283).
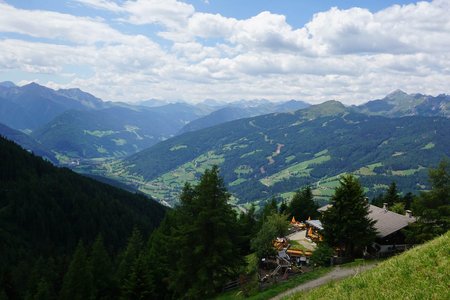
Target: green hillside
(273,155)
(27,142)
(45,211)
(112,132)
(421,273)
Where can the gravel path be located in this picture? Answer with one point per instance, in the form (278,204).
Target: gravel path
(337,274)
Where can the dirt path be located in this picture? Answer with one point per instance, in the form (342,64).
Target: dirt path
(337,274)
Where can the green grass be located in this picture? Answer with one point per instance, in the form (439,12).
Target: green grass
(178,147)
(407,172)
(250,153)
(297,170)
(276,288)
(368,170)
(321,153)
(428,146)
(237,181)
(168,185)
(99,133)
(243,169)
(297,246)
(119,142)
(421,273)
(289,159)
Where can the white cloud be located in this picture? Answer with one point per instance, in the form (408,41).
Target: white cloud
(170,13)
(102,4)
(54,25)
(350,55)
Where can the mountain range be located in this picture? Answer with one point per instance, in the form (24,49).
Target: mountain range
(275,154)
(75,125)
(264,149)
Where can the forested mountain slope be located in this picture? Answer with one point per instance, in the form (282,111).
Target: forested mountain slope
(237,111)
(116,131)
(27,142)
(276,154)
(45,211)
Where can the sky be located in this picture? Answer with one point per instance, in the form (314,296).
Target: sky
(131,50)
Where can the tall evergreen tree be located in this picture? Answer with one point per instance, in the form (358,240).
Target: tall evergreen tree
(128,257)
(102,271)
(159,256)
(270,208)
(302,205)
(432,207)
(283,208)
(346,223)
(391,197)
(407,200)
(77,283)
(248,228)
(138,285)
(207,239)
(44,291)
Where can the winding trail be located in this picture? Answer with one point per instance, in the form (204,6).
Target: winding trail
(336,274)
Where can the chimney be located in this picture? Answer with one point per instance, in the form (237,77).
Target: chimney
(385,207)
(408,213)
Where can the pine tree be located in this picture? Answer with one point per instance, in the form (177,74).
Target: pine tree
(159,256)
(138,285)
(248,228)
(392,196)
(207,238)
(43,292)
(302,205)
(77,283)
(346,223)
(102,270)
(283,207)
(433,207)
(128,258)
(269,209)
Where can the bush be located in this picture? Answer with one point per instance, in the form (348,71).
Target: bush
(322,255)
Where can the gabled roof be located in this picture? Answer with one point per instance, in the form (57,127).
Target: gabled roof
(387,222)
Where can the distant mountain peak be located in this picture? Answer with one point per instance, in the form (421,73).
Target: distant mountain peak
(396,93)
(7,84)
(327,108)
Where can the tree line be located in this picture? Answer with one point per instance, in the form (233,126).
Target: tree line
(203,243)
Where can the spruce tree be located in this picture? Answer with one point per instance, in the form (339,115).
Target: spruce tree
(44,291)
(248,228)
(77,283)
(207,238)
(392,196)
(138,285)
(128,257)
(346,223)
(283,207)
(302,205)
(432,207)
(102,270)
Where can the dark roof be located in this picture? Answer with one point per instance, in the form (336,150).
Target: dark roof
(387,222)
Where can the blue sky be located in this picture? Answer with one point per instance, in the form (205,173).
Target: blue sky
(131,50)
